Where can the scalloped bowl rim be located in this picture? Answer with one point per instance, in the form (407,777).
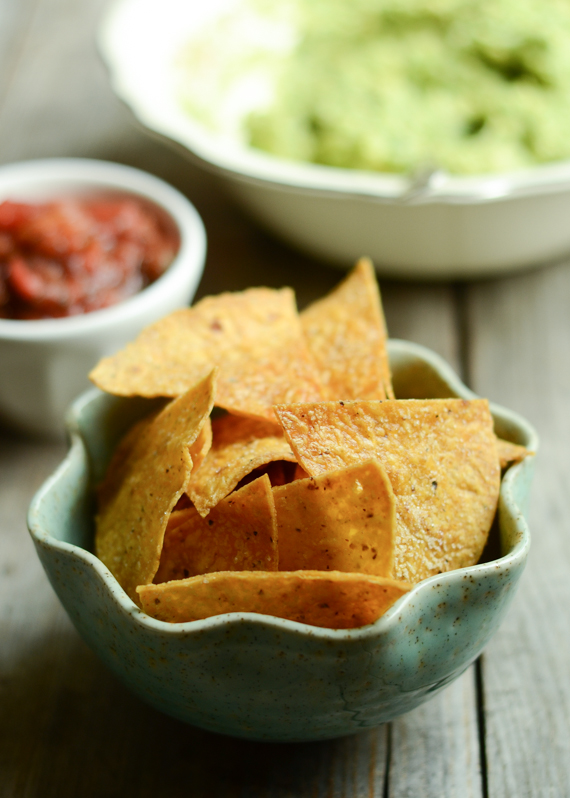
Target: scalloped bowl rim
(83,173)
(167,118)
(383,624)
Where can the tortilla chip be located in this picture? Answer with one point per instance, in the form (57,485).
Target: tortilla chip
(331,599)
(178,517)
(510,453)
(346,333)
(143,484)
(280,472)
(300,472)
(239,446)
(339,521)
(254,337)
(201,446)
(441,459)
(197,450)
(239,534)
(111,485)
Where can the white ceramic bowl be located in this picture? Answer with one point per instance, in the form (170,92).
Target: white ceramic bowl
(435,226)
(44,363)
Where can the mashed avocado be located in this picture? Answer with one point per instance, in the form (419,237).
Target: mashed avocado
(470,86)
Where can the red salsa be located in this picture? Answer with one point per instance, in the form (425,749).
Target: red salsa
(73,256)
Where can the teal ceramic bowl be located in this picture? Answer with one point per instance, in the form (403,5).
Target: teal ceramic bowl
(266,678)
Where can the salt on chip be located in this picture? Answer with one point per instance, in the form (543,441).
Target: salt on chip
(510,453)
(329,599)
(254,337)
(339,521)
(239,534)
(144,482)
(346,333)
(440,456)
(239,446)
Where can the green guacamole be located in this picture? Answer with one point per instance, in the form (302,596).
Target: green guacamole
(471,86)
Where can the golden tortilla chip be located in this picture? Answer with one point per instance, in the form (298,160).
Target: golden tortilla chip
(339,521)
(201,445)
(178,517)
(142,486)
(346,333)
(300,472)
(111,485)
(197,451)
(239,534)
(280,472)
(440,456)
(239,446)
(254,337)
(331,599)
(510,453)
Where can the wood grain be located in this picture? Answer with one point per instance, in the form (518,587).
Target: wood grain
(521,340)
(435,748)
(68,727)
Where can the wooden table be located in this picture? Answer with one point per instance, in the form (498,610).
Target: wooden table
(67,727)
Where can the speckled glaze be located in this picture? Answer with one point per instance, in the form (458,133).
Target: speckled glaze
(267,678)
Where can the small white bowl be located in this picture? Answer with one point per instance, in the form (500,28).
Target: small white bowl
(432,226)
(44,364)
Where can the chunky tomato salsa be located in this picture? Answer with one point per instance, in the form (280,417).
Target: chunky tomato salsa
(72,256)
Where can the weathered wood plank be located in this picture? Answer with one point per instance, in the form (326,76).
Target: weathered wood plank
(69,728)
(51,106)
(520,343)
(424,314)
(27,603)
(15,20)
(435,748)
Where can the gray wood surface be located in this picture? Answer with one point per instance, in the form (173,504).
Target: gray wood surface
(68,728)
(520,345)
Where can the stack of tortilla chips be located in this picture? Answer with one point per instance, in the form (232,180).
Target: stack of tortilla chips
(313,494)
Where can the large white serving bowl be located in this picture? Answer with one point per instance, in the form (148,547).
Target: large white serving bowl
(434,226)
(44,364)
